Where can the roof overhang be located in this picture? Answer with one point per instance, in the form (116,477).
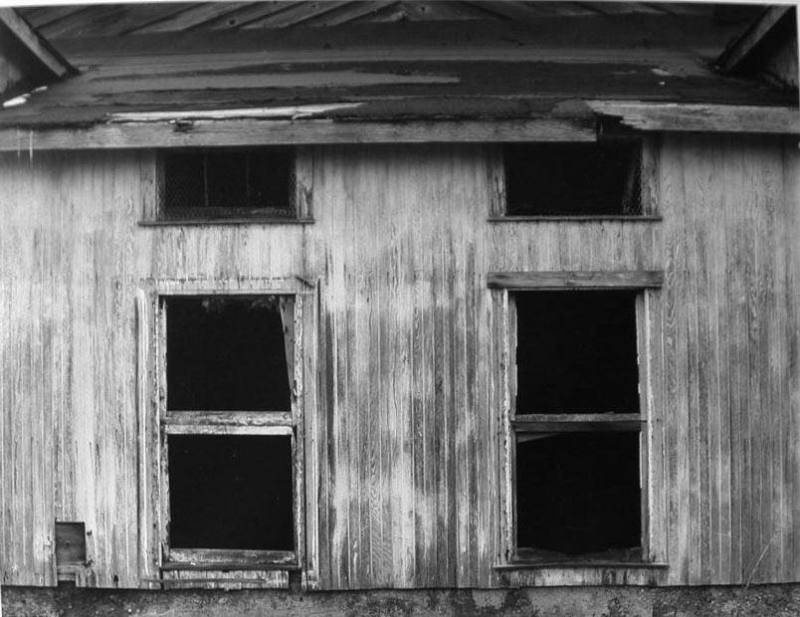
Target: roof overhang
(298,126)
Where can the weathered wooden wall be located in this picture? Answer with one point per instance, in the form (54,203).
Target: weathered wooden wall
(409,391)
(731,391)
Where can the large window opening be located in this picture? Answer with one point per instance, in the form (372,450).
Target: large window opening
(230,424)
(576,422)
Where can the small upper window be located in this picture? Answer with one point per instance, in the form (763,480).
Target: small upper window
(224,183)
(573,179)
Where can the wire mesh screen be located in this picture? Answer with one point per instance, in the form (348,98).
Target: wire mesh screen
(224,183)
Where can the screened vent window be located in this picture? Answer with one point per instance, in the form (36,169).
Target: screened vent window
(573,179)
(576,426)
(230,428)
(225,183)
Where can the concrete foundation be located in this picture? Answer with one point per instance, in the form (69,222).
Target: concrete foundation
(766,600)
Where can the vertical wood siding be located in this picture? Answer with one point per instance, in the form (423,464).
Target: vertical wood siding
(407,430)
(730,333)
(410,388)
(72,259)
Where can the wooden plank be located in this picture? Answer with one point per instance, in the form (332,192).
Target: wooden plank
(224,221)
(251,12)
(578,418)
(741,48)
(220,559)
(194,16)
(791,191)
(296,14)
(228,418)
(205,133)
(643,279)
(572,565)
(681,117)
(574,218)
(253,578)
(671,200)
(226,429)
(554,426)
(349,12)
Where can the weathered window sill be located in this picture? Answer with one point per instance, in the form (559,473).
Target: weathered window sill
(582,565)
(600,218)
(222,567)
(232,221)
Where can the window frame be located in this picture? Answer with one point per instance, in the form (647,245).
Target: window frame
(646,284)
(161,567)
(301,195)
(498,203)
(212,422)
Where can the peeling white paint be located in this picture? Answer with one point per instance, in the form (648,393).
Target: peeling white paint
(16,101)
(302,111)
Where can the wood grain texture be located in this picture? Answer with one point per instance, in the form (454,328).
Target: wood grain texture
(633,279)
(730,226)
(254,132)
(75,350)
(404,412)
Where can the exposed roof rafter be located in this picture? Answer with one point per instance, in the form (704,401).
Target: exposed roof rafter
(742,47)
(35,44)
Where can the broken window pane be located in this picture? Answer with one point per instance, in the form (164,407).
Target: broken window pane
(226,353)
(578,493)
(228,183)
(563,179)
(576,352)
(230,492)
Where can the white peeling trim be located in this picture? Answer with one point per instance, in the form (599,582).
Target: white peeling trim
(303,111)
(16,101)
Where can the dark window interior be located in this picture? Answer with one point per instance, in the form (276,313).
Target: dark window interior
(565,179)
(576,352)
(231,492)
(226,353)
(228,183)
(578,493)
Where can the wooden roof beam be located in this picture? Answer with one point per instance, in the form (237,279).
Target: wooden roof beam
(34,43)
(256,132)
(742,47)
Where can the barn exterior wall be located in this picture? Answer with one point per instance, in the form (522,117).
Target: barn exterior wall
(405,434)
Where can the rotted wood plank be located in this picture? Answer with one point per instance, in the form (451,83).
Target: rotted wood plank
(681,117)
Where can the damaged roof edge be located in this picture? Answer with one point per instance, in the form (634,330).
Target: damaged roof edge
(701,118)
(255,132)
(290,127)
